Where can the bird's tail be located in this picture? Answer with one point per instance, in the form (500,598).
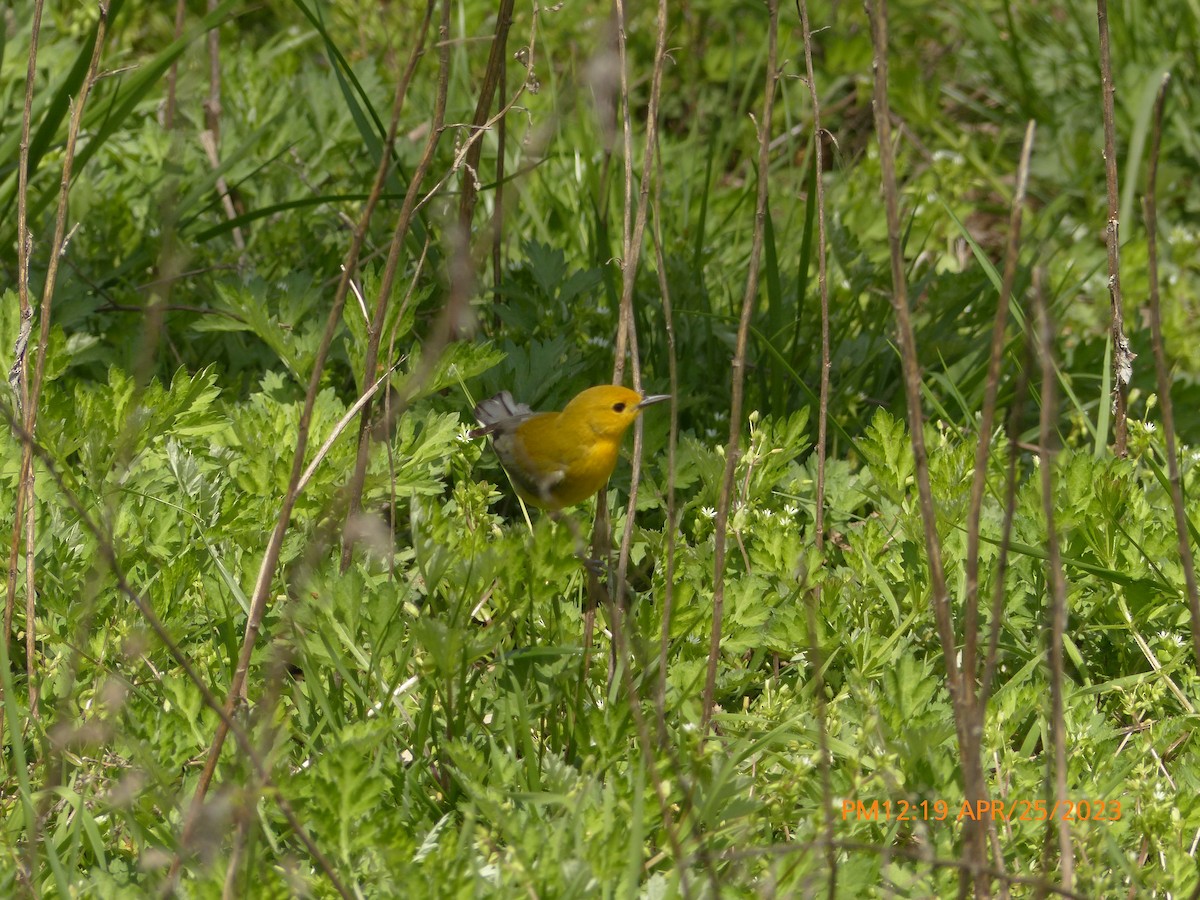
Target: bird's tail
(496,412)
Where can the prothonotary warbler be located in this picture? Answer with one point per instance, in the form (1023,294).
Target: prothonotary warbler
(558,459)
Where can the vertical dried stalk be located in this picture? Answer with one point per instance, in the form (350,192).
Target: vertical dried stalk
(975,851)
(816,594)
(492,78)
(725,499)
(632,257)
(1058,584)
(992,657)
(634,229)
(672,447)
(18,377)
(498,206)
(173,72)
(987,418)
(266,571)
(1123,356)
(625,321)
(621,653)
(212,106)
(31,391)
(1164,376)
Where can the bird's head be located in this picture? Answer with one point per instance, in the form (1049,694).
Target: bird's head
(609,409)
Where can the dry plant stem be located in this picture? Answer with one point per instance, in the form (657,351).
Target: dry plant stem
(31,391)
(664,648)
(229,890)
(487,91)
(268,728)
(984,443)
(391,412)
(173,72)
(498,207)
(815,595)
(1164,376)
(627,207)
(725,499)
(18,375)
(107,551)
(645,739)
(632,258)
(1010,507)
(1123,356)
(633,228)
(212,106)
(258,602)
(208,140)
(660,690)
(597,591)
(969,738)
(1057,580)
(627,343)
(341,426)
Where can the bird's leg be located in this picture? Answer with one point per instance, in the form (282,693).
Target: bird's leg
(596,567)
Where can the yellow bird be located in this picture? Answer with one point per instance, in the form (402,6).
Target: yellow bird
(558,459)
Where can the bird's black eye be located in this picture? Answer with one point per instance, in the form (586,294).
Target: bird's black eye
(619,407)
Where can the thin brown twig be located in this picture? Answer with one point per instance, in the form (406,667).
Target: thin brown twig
(725,498)
(498,206)
(992,659)
(816,594)
(622,661)
(1056,578)
(645,739)
(629,267)
(26,482)
(492,79)
(983,443)
(975,846)
(208,141)
(664,290)
(1123,356)
(624,325)
(1163,375)
(212,106)
(266,571)
(173,72)
(18,376)
(392,410)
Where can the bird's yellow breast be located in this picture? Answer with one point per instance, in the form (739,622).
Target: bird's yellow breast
(557,461)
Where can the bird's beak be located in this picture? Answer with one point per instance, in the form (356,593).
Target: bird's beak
(652,399)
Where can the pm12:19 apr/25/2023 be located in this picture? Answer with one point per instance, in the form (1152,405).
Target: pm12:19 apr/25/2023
(995,810)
